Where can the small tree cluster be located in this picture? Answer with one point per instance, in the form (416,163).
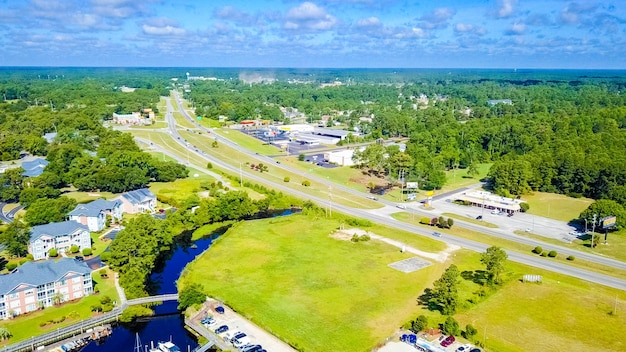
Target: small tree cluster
(538,250)
(419,324)
(306,183)
(362,238)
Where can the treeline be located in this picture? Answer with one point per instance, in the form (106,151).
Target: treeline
(138,247)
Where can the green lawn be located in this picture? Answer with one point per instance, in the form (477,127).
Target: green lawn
(333,295)
(248,142)
(182,121)
(472,220)
(181,189)
(561,314)
(459,178)
(28,325)
(86,197)
(556,206)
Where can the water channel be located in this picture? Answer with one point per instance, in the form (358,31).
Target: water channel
(168,323)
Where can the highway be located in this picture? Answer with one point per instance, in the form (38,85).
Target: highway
(375,215)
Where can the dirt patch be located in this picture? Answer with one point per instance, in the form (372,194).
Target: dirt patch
(346,235)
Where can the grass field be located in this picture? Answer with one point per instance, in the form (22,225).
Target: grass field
(472,220)
(85,197)
(561,314)
(459,178)
(341,296)
(556,206)
(333,295)
(28,325)
(248,142)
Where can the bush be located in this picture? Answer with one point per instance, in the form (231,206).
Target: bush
(470,331)
(538,250)
(301,157)
(425,221)
(209,165)
(53,253)
(364,238)
(11,266)
(450,223)
(451,326)
(23,260)
(29,256)
(74,249)
(571,258)
(87,252)
(96,289)
(552,254)
(306,183)
(419,324)
(286,179)
(544,254)
(105,256)
(355,238)
(524,207)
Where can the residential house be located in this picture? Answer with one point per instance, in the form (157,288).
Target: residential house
(58,235)
(34,167)
(36,285)
(94,214)
(138,201)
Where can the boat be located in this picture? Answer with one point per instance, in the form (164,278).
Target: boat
(168,346)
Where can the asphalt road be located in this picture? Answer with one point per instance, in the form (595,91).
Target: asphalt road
(376,216)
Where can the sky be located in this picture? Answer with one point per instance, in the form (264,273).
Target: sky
(556,34)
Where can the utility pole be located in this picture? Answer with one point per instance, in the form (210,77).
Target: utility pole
(593,228)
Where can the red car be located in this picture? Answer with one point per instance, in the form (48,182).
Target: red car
(448,341)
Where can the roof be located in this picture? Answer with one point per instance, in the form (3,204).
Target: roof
(42,272)
(34,167)
(138,196)
(55,229)
(94,208)
(334,133)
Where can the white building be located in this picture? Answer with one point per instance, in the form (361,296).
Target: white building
(93,214)
(57,235)
(341,157)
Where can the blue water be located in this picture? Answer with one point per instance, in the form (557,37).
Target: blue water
(163,327)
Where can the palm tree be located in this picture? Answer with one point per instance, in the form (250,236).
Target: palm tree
(5,334)
(57,298)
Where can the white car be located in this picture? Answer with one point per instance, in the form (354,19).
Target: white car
(242,341)
(401,206)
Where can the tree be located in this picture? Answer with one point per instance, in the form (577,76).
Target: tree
(494,260)
(190,295)
(5,334)
(451,327)
(53,252)
(57,298)
(15,238)
(442,222)
(419,324)
(602,208)
(470,331)
(524,207)
(445,294)
(44,210)
(450,223)
(301,157)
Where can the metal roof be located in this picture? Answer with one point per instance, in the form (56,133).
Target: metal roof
(34,274)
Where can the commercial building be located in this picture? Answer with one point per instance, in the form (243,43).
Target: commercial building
(341,134)
(36,285)
(490,201)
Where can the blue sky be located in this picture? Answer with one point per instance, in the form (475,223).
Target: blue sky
(321,33)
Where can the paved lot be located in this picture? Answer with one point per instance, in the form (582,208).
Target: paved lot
(236,322)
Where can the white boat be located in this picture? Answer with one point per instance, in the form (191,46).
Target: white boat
(168,346)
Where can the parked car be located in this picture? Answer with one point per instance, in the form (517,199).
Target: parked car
(220,309)
(221,329)
(479,217)
(252,348)
(475,350)
(241,341)
(238,336)
(448,341)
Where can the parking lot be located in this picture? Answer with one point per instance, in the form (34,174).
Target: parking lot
(425,342)
(236,322)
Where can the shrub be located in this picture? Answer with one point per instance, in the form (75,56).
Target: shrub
(571,258)
(53,253)
(450,223)
(105,256)
(286,179)
(11,266)
(552,254)
(425,221)
(544,254)
(538,250)
(419,324)
(470,331)
(451,326)
(87,252)
(23,260)
(96,289)
(364,238)
(306,183)
(524,207)
(355,238)
(74,249)
(209,165)
(301,157)
(29,256)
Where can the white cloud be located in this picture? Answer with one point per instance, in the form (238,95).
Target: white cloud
(506,8)
(461,28)
(516,29)
(162,26)
(369,22)
(309,16)
(437,19)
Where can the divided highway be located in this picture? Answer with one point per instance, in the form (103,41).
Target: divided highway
(528,259)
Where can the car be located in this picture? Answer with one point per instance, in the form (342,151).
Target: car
(238,336)
(464,348)
(437,234)
(241,341)
(222,329)
(231,334)
(401,206)
(475,350)
(372,198)
(495,212)
(252,348)
(220,309)
(510,214)
(448,341)
(479,217)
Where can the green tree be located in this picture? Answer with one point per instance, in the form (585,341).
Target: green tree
(450,223)
(494,260)
(445,292)
(419,324)
(43,211)
(15,238)
(190,296)
(451,327)
(5,334)
(603,208)
(301,157)
(470,332)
